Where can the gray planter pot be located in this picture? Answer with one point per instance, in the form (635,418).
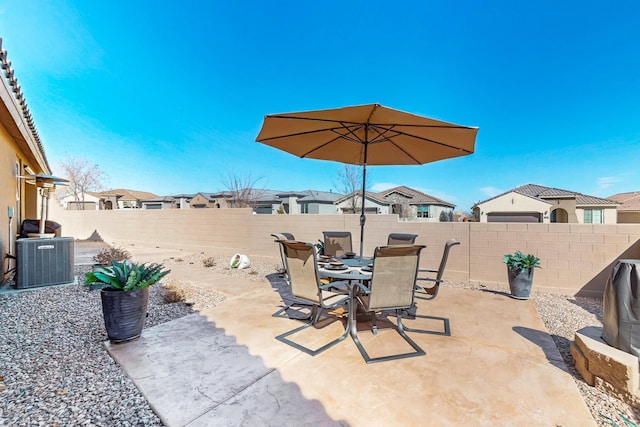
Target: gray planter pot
(124,313)
(520,282)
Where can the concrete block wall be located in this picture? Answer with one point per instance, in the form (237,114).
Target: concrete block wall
(575,258)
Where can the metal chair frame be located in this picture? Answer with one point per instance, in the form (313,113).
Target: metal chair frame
(303,304)
(429,293)
(319,303)
(359,290)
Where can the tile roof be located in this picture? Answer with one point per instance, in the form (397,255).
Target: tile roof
(541,192)
(417,197)
(628,201)
(126,194)
(22,102)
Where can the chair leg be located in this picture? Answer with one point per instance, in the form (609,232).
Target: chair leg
(315,316)
(400,329)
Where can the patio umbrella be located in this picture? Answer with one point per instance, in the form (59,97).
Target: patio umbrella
(366,135)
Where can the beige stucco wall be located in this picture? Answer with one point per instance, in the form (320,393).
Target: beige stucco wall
(609,215)
(628,217)
(514,202)
(576,258)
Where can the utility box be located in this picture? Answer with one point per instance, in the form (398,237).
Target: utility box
(44,262)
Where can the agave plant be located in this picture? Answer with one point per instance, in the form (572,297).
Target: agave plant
(125,276)
(520,261)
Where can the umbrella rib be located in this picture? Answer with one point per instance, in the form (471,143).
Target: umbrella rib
(310,133)
(389,139)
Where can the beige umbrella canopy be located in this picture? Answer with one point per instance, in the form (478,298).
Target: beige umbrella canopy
(367,135)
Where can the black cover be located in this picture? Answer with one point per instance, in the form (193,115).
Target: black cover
(621,312)
(33,226)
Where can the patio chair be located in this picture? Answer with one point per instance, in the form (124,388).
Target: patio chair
(302,268)
(392,287)
(401,239)
(283,236)
(285,276)
(336,243)
(430,292)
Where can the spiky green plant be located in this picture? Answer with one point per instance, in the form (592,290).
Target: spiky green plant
(125,276)
(519,261)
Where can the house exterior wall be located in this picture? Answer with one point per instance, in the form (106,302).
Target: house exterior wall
(625,217)
(323,208)
(577,259)
(15,154)
(198,200)
(434,213)
(344,207)
(569,205)
(513,202)
(88,198)
(609,215)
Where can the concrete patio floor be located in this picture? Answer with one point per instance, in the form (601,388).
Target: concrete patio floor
(223,366)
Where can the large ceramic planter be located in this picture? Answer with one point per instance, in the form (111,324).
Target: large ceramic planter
(520,281)
(124,313)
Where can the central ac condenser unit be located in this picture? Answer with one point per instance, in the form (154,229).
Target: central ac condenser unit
(44,262)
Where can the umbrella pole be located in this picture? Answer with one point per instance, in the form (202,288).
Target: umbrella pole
(363,218)
(42,212)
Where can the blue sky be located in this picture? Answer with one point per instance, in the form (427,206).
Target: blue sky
(168,97)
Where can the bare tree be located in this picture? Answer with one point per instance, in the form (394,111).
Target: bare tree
(83,176)
(350,182)
(242,191)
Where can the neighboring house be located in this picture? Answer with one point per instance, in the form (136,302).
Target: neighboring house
(352,203)
(21,153)
(211,200)
(415,205)
(536,203)
(304,202)
(91,202)
(183,201)
(166,202)
(628,208)
(407,203)
(122,198)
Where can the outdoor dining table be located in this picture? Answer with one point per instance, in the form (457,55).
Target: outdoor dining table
(356,270)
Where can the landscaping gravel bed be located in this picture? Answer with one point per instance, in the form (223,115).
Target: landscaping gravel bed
(56,371)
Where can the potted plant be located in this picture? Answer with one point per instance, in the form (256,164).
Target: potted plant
(520,272)
(125,295)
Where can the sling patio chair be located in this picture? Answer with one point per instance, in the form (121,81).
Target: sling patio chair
(283,236)
(290,306)
(392,287)
(302,268)
(430,292)
(401,239)
(337,243)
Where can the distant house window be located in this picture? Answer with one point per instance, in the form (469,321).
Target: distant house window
(423,212)
(593,216)
(304,208)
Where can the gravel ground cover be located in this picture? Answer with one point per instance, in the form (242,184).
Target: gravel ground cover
(56,372)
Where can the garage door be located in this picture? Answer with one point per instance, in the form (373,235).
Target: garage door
(514,217)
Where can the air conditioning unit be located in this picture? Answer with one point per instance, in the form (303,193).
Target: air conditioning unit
(44,262)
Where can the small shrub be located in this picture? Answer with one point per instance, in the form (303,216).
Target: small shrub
(172,293)
(253,272)
(106,255)
(209,262)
